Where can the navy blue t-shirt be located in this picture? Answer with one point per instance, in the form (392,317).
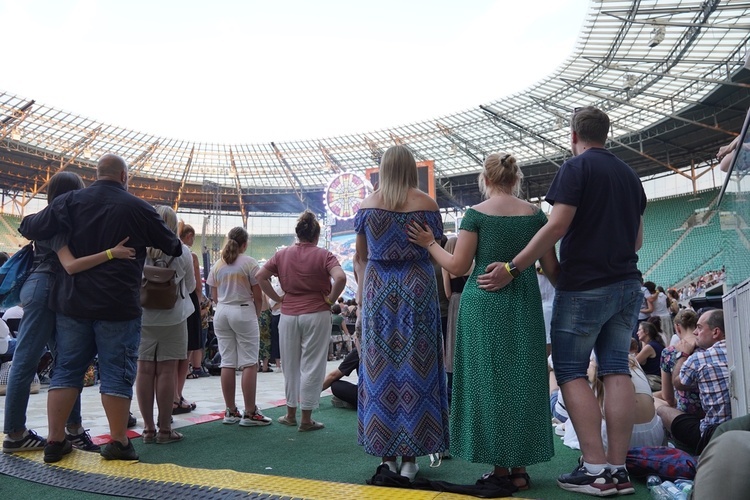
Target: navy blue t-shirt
(599,247)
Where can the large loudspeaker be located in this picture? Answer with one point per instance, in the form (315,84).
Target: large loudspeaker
(701,302)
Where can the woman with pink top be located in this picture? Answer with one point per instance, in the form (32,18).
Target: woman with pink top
(305,272)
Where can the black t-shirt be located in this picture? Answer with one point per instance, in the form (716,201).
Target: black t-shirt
(599,247)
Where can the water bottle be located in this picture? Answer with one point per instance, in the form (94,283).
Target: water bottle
(652,481)
(674,492)
(685,485)
(659,493)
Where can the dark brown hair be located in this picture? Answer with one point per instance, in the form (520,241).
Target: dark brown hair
(591,124)
(61,183)
(308,227)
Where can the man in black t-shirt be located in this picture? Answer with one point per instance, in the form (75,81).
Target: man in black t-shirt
(344,392)
(598,204)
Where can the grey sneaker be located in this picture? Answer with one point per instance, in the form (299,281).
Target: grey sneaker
(116,451)
(30,441)
(340,403)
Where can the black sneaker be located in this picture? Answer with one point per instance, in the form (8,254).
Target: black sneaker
(117,451)
(582,481)
(30,441)
(82,441)
(622,481)
(132,422)
(55,450)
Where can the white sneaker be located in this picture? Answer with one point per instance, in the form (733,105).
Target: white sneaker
(392,465)
(232,416)
(409,470)
(254,419)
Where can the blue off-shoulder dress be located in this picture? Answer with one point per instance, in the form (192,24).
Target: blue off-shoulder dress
(403,402)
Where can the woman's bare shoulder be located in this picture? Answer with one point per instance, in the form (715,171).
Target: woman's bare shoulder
(372,201)
(419,200)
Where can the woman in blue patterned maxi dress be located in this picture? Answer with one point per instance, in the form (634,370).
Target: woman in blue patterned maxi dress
(403,404)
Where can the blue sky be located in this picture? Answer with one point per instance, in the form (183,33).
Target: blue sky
(250,71)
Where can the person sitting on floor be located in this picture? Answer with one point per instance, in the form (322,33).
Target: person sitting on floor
(647,427)
(685,401)
(344,392)
(650,353)
(708,371)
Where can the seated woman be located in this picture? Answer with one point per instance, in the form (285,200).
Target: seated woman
(650,353)
(648,429)
(686,401)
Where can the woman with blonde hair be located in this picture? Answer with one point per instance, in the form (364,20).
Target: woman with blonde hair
(305,273)
(403,400)
(500,412)
(164,343)
(238,298)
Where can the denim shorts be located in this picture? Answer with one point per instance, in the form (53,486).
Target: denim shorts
(601,320)
(116,344)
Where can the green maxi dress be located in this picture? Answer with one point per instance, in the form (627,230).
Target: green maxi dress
(500,413)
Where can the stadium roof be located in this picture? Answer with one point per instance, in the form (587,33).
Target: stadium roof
(672,75)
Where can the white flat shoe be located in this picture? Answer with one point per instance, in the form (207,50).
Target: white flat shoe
(409,470)
(392,465)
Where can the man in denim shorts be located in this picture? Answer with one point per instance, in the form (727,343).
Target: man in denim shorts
(99,310)
(598,204)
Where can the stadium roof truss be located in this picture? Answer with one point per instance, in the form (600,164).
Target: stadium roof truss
(672,75)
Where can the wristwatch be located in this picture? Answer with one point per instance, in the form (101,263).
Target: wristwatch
(512,269)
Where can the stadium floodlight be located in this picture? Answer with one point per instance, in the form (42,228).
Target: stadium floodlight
(630,80)
(657,35)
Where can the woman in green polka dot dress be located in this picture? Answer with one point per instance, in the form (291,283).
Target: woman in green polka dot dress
(500,412)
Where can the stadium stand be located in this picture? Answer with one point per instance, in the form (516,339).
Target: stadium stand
(10,239)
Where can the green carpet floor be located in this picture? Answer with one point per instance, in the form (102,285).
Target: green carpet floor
(330,454)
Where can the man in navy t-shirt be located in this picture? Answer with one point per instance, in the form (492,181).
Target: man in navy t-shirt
(598,204)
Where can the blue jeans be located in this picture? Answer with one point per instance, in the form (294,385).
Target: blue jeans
(37,330)
(115,342)
(601,320)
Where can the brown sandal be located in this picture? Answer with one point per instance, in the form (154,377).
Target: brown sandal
(149,436)
(166,437)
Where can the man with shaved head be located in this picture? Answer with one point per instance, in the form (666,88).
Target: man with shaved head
(99,310)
